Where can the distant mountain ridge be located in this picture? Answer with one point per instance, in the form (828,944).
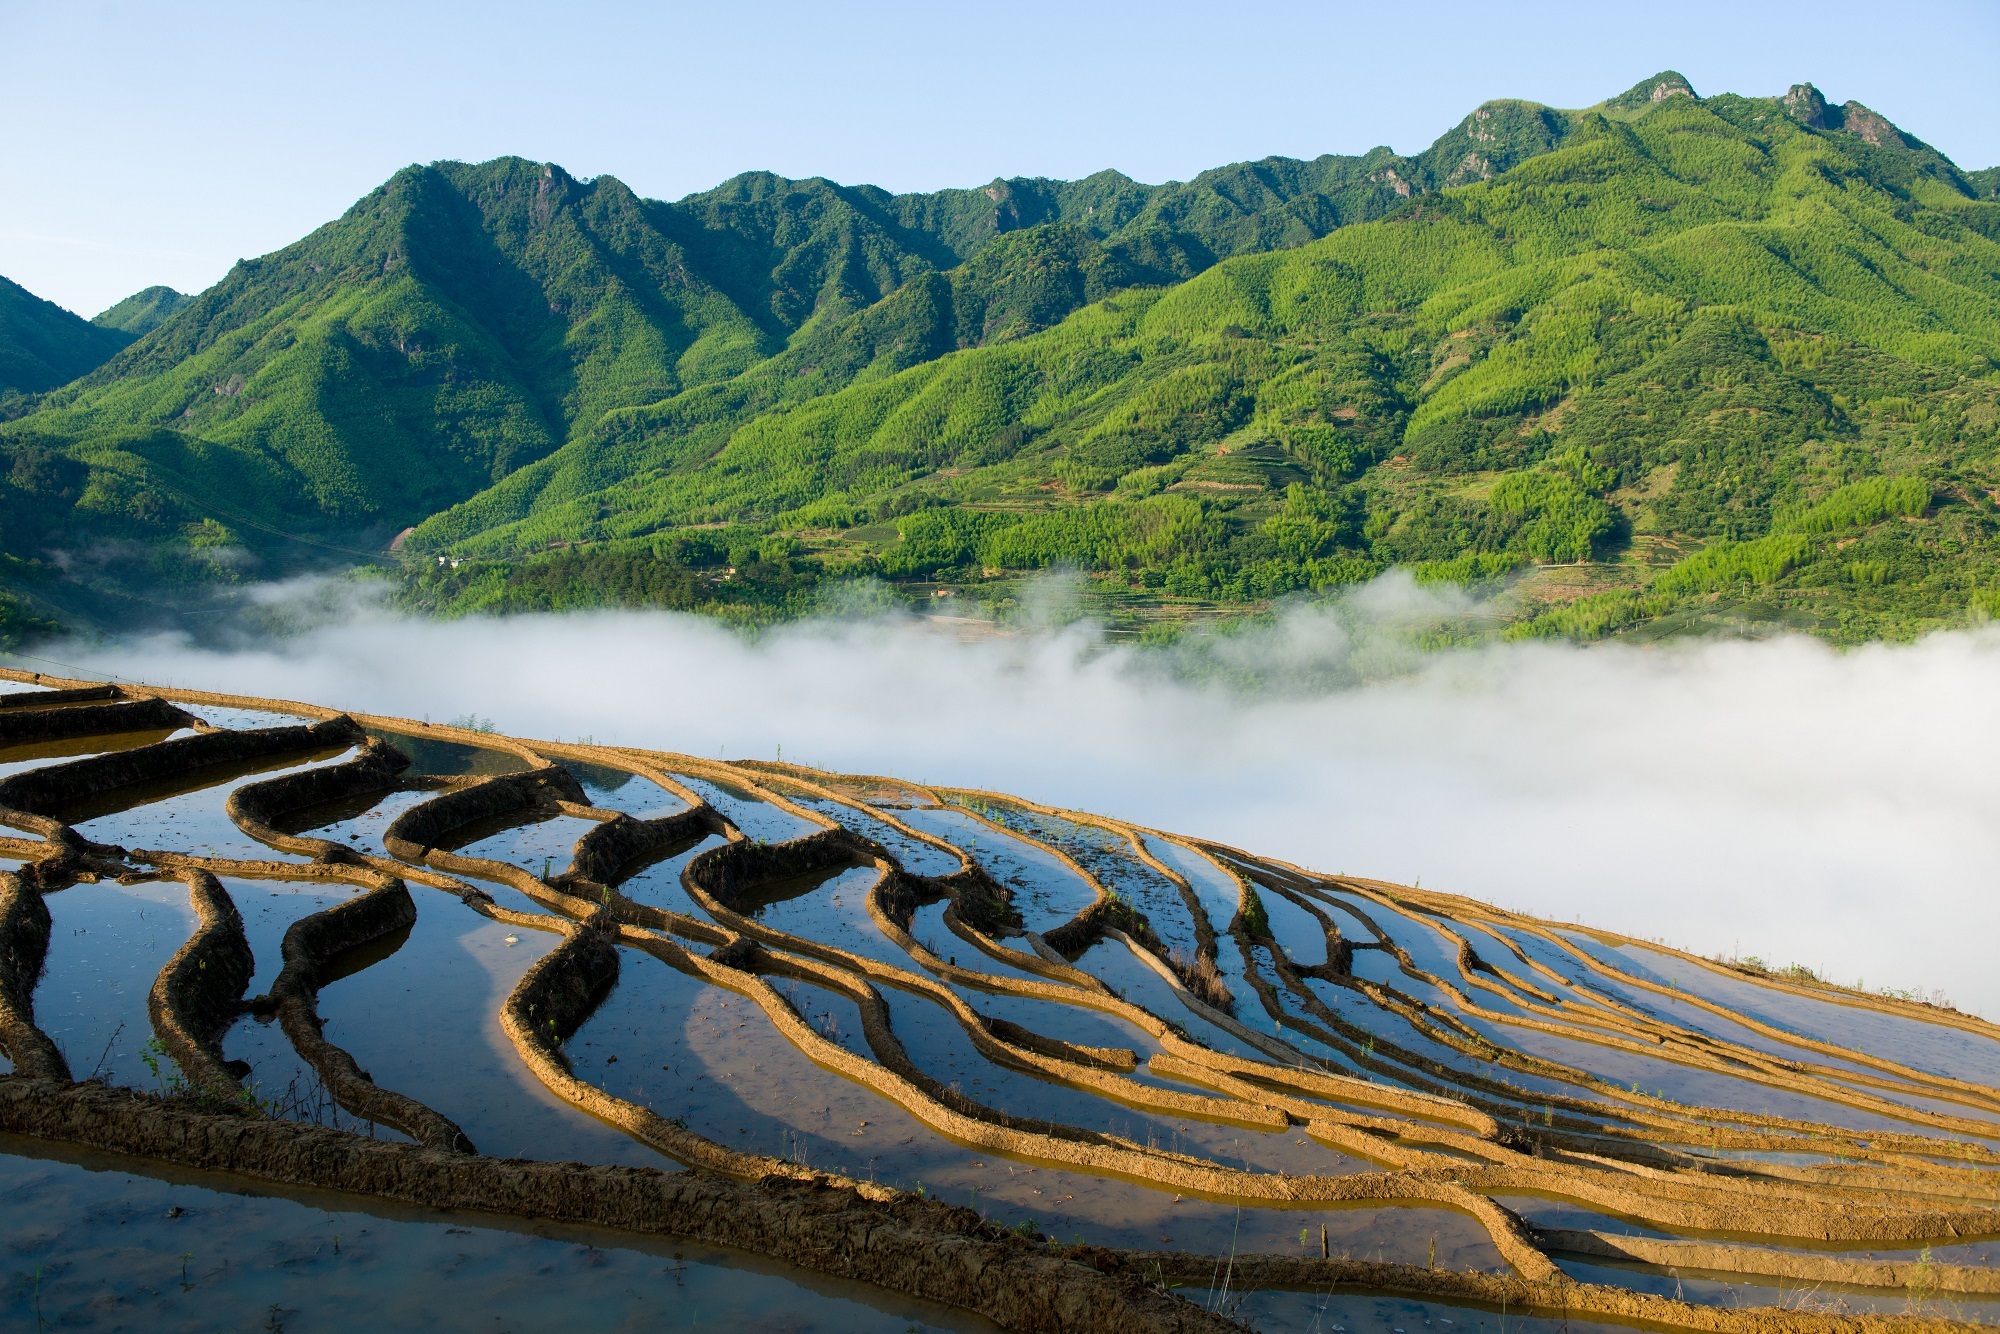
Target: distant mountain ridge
(462,320)
(511,358)
(142,312)
(43,346)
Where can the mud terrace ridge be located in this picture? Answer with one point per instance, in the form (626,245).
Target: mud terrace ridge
(1451,1052)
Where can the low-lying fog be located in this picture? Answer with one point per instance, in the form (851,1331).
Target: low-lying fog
(1777,799)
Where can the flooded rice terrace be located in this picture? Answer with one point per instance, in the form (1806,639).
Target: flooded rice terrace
(312,1020)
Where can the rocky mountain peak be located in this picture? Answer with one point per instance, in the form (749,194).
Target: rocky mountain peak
(1662,86)
(1876,129)
(1805,105)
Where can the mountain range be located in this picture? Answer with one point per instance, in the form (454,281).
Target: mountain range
(1666,362)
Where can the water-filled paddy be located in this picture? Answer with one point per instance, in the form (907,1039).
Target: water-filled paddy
(424,1020)
(491,1010)
(34,755)
(916,856)
(1046,892)
(658,882)
(541,844)
(634,794)
(106,945)
(755,817)
(91,1243)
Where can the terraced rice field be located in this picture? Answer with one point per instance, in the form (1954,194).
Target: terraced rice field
(909,1055)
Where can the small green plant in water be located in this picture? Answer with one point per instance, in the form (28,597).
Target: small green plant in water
(1923,1283)
(167,1079)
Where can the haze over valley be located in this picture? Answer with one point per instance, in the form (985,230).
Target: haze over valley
(1074,702)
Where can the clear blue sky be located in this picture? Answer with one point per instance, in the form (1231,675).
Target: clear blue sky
(153,143)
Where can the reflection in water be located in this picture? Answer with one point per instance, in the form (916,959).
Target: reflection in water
(425,1022)
(107,943)
(1387,989)
(92,1245)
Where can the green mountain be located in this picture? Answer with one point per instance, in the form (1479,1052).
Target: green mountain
(463,321)
(142,312)
(42,345)
(1663,362)
(1693,360)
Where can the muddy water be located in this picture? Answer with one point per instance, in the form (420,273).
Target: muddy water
(91,1242)
(20,759)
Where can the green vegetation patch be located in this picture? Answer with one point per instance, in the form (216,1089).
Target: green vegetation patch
(1737,360)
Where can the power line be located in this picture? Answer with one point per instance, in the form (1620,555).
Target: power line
(70,666)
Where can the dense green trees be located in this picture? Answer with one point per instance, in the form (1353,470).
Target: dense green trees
(42,346)
(1701,348)
(143,311)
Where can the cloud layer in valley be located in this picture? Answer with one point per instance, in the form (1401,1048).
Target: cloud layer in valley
(1778,798)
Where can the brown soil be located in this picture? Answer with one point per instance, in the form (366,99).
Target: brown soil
(1450,1119)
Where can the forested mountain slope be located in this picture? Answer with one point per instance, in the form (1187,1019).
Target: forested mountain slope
(1711,328)
(463,320)
(42,345)
(1664,359)
(142,312)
